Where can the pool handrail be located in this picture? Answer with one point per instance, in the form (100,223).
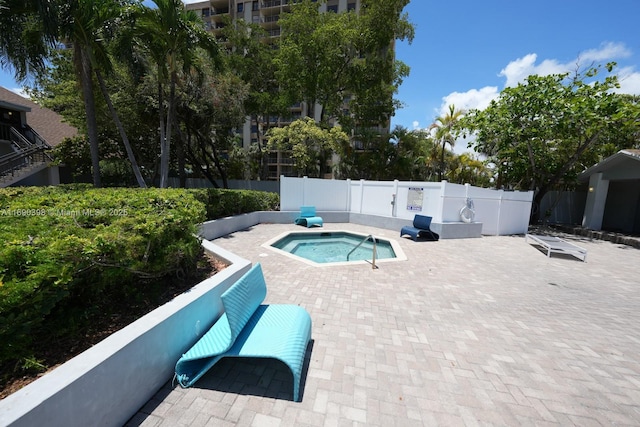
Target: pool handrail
(373,239)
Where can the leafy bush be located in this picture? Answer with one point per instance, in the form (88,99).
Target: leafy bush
(221,203)
(71,251)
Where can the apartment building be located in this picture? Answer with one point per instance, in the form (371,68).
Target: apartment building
(266,13)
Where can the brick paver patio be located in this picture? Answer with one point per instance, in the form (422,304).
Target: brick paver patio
(468,332)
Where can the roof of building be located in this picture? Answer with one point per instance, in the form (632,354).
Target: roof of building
(12,106)
(625,164)
(49,124)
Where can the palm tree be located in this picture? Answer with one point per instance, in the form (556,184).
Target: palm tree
(87,32)
(444,126)
(80,23)
(123,134)
(57,21)
(169,34)
(28,35)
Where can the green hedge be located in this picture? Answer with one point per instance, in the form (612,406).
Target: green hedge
(222,202)
(70,251)
(73,252)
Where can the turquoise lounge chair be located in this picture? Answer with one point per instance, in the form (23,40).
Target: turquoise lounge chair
(308,217)
(421,228)
(248,328)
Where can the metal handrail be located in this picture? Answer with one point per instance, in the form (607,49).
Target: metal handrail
(373,239)
(13,162)
(37,139)
(19,140)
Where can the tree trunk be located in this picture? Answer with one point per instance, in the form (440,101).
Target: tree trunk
(555,179)
(263,167)
(166,149)
(181,164)
(194,158)
(182,175)
(162,129)
(441,173)
(86,82)
(221,171)
(536,215)
(123,134)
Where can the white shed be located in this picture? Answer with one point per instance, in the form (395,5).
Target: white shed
(613,200)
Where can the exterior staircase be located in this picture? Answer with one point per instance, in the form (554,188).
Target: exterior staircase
(28,157)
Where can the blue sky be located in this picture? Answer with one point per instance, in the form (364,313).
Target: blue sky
(465,52)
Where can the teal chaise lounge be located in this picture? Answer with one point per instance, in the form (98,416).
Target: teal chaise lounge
(308,217)
(248,328)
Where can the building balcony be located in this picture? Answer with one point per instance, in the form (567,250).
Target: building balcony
(275,32)
(220,11)
(269,21)
(272,3)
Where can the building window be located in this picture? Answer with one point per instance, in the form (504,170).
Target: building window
(255,6)
(206,11)
(332,8)
(240,7)
(351,6)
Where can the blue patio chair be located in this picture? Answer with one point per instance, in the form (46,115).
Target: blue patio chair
(248,328)
(308,217)
(421,229)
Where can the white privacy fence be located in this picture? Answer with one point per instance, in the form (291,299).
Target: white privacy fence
(500,212)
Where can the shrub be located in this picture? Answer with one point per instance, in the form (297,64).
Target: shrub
(221,203)
(70,251)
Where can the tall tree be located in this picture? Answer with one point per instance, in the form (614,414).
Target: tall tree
(542,133)
(415,150)
(308,143)
(326,57)
(30,31)
(212,105)
(376,75)
(445,132)
(38,27)
(170,35)
(468,169)
(76,23)
(251,59)
(58,90)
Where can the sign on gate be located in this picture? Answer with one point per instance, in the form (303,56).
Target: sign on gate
(414,199)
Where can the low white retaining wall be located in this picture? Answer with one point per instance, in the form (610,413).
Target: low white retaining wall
(107,384)
(211,230)
(221,227)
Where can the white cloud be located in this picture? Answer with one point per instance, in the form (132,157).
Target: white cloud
(471,99)
(518,70)
(606,52)
(416,124)
(629,81)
